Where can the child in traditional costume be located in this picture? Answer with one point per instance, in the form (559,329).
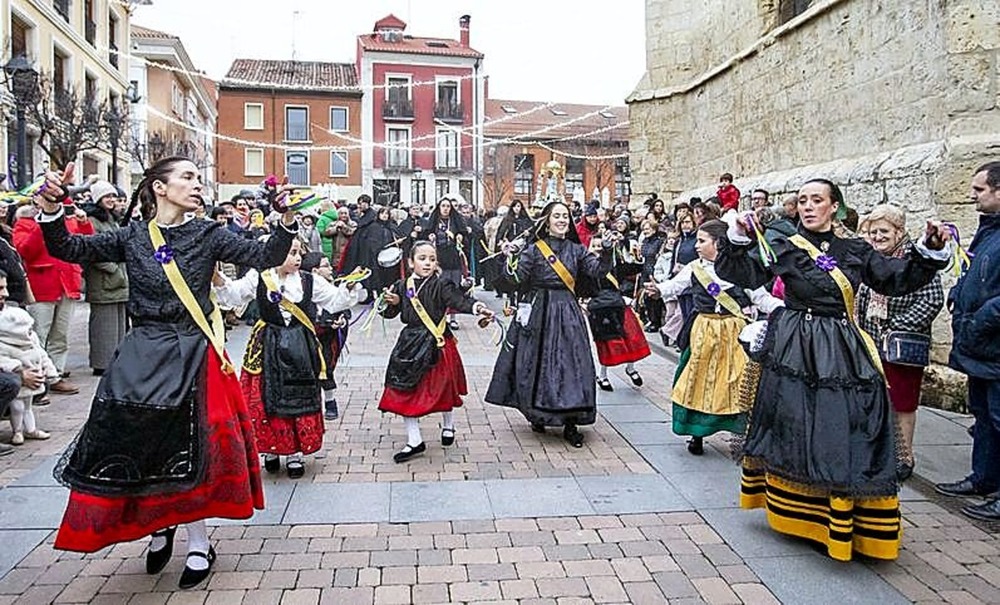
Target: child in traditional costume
(168,439)
(425,373)
(282,365)
(331,330)
(706,391)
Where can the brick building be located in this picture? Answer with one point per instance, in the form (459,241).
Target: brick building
(424,97)
(303,119)
(589,141)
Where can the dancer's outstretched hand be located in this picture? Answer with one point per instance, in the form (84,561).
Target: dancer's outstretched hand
(390,298)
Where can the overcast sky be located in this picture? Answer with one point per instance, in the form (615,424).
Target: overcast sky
(558,50)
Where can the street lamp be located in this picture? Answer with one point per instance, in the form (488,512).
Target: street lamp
(22,81)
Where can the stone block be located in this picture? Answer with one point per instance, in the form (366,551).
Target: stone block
(972,25)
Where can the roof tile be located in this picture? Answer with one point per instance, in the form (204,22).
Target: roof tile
(268,73)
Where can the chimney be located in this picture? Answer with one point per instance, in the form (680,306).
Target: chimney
(463,30)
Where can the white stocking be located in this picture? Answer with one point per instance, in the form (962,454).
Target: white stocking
(197,542)
(448,420)
(17,415)
(629,367)
(604,372)
(413,437)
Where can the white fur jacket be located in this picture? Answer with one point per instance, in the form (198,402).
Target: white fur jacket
(20,347)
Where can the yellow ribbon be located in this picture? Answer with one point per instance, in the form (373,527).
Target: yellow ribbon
(847,291)
(270,281)
(437,330)
(216,331)
(556,264)
(724,299)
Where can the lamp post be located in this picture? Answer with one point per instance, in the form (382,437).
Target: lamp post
(22,81)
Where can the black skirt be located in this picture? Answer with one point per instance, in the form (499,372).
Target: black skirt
(822,415)
(545,369)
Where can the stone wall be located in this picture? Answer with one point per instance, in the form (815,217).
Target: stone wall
(898,102)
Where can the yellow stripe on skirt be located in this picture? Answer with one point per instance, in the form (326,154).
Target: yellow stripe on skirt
(869,526)
(710,382)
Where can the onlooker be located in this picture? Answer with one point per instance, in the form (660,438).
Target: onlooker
(759,199)
(791,206)
(975,307)
(107,285)
(56,286)
(882,316)
(728,194)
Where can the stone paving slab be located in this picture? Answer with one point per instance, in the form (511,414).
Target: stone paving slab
(537,497)
(814,578)
(32,507)
(16,544)
(339,503)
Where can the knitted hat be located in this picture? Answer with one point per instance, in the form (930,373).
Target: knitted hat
(101,189)
(590,210)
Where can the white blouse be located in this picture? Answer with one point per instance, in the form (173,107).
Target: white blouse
(326,296)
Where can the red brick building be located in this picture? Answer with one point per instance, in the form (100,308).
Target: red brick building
(589,141)
(299,118)
(423,99)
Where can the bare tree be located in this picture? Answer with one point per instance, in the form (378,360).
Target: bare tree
(68,124)
(497,174)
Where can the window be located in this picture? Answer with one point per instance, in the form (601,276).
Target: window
(397,151)
(789,9)
(60,78)
(418,192)
(338,163)
(446,149)
(20,33)
(112,39)
(508,109)
(623,178)
(441,188)
(89,26)
(338,119)
(176,98)
(524,174)
(558,112)
(447,93)
(386,192)
(253,116)
(297,167)
(398,90)
(89,93)
(296,123)
(62,7)
(574,174)
(465,190)
(253,162)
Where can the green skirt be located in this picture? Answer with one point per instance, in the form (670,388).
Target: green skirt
(699,424)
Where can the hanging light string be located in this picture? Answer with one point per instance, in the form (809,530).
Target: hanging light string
(487,142)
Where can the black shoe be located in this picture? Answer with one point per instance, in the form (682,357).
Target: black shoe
(272,463)
(156,560)
(331,413)
(447,437)
(409,451)
(988,511)
(573,435)
(634,377)
(904,471)
(965,487)
(971,429)
(664,339)
(605,384)
(193,577)
(538,427)
(696,446)
(453,324)
(98,372)
(295,468)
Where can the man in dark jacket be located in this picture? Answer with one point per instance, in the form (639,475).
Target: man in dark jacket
(975,350)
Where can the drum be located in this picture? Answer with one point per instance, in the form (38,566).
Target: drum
(389,257)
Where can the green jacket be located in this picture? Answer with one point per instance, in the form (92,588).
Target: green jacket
(330,216)
(106,283)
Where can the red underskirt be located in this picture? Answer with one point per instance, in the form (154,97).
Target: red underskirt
(277,435)
(631,347)
(440,390)
(231,488)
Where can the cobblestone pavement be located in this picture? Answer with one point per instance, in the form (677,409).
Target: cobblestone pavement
(504,516)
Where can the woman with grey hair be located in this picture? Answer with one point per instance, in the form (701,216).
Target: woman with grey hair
(897,322)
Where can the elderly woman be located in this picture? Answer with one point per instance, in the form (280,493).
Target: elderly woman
(885,317)
(820,453)
(107,284)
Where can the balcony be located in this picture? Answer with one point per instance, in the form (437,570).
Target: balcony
(113,53)
(400,110)
(90,32)
(62,7)
(64,103)
(452,113)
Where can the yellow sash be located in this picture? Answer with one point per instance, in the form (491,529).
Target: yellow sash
(556,264)
(437,330)
(725,300)
(847,291)
(270,282)
(216,331)
(613,280)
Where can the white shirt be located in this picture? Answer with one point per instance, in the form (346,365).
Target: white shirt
(325,295)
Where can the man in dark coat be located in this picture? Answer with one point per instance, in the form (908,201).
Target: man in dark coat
(975,306)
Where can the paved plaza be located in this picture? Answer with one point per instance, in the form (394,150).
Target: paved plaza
(505,515)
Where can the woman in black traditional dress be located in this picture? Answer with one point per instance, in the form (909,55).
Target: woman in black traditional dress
(446,229)
(383,234)
(820,454)
(545,368)
(425,373)
(168,439)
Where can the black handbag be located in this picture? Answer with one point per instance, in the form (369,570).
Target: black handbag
(906,348)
